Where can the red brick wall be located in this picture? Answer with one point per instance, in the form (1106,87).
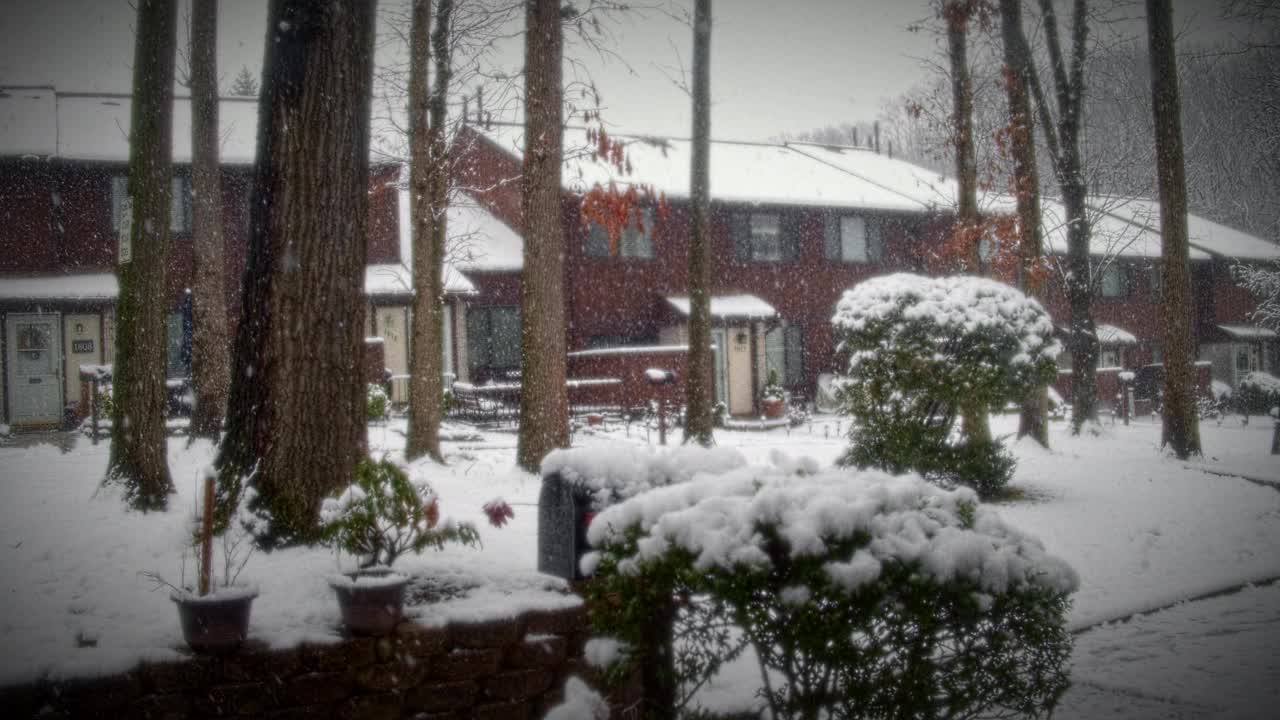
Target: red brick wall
(629,367)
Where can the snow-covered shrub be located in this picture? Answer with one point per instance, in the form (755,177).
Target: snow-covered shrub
(773,389)
(922,352)
(1256,393)
(383,515)
(376,403)
(861,594)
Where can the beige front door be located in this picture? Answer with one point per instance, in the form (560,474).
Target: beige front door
(738,360)
(34,368)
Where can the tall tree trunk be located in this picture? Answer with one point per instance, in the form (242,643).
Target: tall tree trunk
(296,420)
(138,446)
(1181,429)
(428,179)
(956,14)
(700,383)
(1033,418)
(210,357)
(976,425)
(544,403)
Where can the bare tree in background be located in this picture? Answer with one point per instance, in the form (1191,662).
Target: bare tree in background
(1033,417)
(1181,429)
(699,384)
(428,192)
(957,14)
(210,356)
(1064,141)
(138,459)
(296,417)
(544,403)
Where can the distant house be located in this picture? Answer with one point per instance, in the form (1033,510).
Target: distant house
(63,168)
(794,225)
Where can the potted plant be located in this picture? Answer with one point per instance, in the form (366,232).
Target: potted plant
(773,397)
(376,519)
(214,614)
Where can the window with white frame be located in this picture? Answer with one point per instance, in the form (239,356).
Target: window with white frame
(1113,282)
(766,237)
(784,354)
(1111,357)
(179,208)
(636,240)
(852,239)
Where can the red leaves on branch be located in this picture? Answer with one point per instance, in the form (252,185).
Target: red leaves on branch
(610,207)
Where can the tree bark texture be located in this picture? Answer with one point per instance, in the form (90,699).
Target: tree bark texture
(210,353)
(428,179)
(544,404)
(1181,429)
(138,445)
(296,420)
(1033,417)
(956,14)
(700,383)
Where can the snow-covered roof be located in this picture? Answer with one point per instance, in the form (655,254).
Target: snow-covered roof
(1111,235)
(92,286)
(741,172)
(477,240)
(1248,332)
(25,127)
(46,122)
(1204,235)
(396,280)
(729,307)
(1112,335)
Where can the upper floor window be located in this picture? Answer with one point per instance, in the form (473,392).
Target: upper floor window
(765,237)
(852,239)
(179,209)
(1113,282)
(636,240)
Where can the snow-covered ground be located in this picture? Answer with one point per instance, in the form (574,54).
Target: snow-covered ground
(1142,529)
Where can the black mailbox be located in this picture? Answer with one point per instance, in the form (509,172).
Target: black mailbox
(564,512)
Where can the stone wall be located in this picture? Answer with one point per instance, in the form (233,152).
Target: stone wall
(506,669)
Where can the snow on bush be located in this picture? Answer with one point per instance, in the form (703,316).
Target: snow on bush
(617,471)
(869,595)
(924,351)
(1257,393)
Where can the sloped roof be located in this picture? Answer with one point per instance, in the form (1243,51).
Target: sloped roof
(87,286)
(1206,235)
(477,240)
(45,122)
(1111,235)
(741,172)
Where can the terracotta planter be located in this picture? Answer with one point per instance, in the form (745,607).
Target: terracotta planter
(774,407)
(372,602)
(216,623)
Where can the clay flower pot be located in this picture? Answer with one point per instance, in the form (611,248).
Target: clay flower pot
(774,407)
(372,601)
(217,622)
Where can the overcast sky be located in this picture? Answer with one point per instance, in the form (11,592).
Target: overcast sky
(776,66)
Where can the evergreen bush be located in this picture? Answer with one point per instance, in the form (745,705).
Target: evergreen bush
(923,352)
(376,402)
(861,595)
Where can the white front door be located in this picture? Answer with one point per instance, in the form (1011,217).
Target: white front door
(35,368)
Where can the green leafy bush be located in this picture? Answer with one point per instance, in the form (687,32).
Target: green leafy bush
(861,595)
(383,515)
(376,403)
(923,352)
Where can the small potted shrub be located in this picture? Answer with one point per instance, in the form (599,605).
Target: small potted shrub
(215,613)
(378,518)
(773,397)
